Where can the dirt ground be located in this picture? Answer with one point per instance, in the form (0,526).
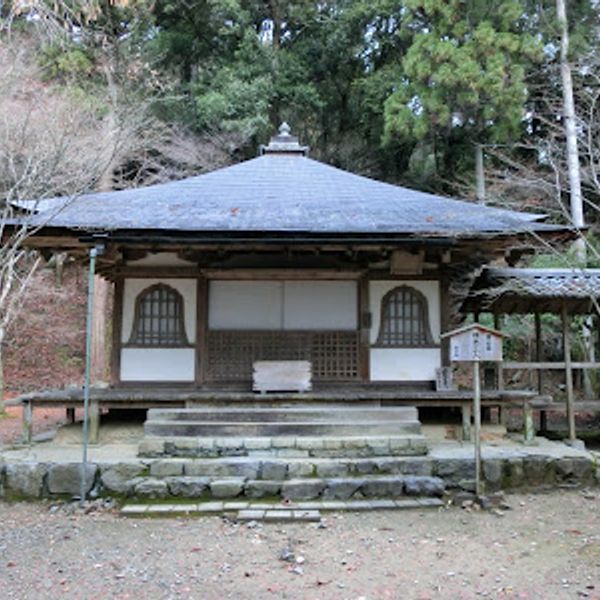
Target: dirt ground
(546,547)
(44,419)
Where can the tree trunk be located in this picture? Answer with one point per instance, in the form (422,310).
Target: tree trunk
(573,167)
(574,174)
(2,391)
(479,174)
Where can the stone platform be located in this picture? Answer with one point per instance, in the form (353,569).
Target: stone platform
(53,471)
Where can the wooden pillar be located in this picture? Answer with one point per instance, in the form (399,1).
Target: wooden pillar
(568,373)
(445,318)
(27,422)
(117,325)
(94,415)
(101,288)
(364,324)
(201,329)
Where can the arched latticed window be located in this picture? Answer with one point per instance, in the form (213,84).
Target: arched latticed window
(158,319)
(404,319)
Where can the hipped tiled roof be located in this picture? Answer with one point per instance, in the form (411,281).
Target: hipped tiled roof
(285,192)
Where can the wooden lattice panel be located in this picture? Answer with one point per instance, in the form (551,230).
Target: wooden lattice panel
(333,354)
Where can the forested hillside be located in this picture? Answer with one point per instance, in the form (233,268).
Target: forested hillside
(401,91)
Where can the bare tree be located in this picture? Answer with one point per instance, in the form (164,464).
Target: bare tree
(51,144)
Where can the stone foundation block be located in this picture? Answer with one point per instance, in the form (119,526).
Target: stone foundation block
(65,479)
(492,474)
(260,443)
(25,479)
(415,466)
(166,468)
(292,453)
(188,487)
(383,487)
(308,443)
(247,468)
(342,489)
(399,445)
(513,473)
(455,470)
(302,489)
(366,466)
(355,443)
(147,487)
(151,447)
(423,486)
(226,488)
(117,478)
(260,489)
(574,469)
(271,469)
(331,469)
(300,469)
(283,442)
(378,447)
(538,470)
(229,443)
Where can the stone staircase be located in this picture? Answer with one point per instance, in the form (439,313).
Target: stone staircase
(294,431)
(292,479)
(297,451)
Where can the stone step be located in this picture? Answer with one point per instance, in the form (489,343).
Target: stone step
(290,490)
(259,511)
(267,468)
(261,414)
(285,447)
(272,429)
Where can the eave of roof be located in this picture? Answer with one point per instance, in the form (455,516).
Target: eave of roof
(512,290)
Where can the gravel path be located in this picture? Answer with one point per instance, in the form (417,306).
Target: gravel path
(547,547)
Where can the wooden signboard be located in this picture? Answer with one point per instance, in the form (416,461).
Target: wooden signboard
(282,376)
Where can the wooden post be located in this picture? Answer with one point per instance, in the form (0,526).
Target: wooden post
(540,372)
(568,373)
(466,422)
(503,416)
(94,421)
(28,422)
(529,429)
(477,423)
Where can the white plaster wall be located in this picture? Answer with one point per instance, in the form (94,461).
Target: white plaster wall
(404,364)
(158,364)
(320,305)
(245,304)
(186,287)
(160,259)
(278,305)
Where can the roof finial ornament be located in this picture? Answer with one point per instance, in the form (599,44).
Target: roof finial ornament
(284,143)
(285,130)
